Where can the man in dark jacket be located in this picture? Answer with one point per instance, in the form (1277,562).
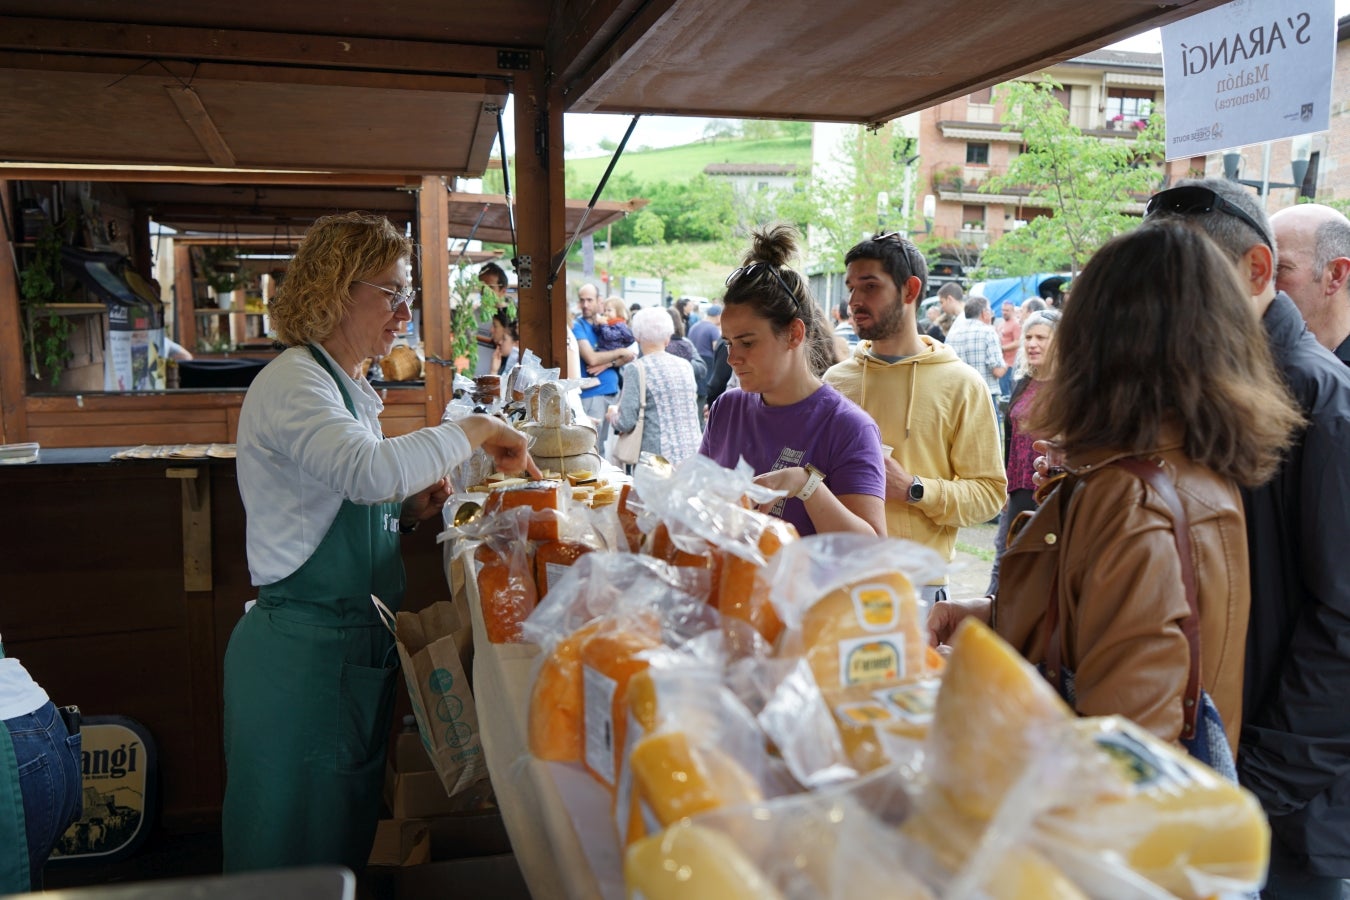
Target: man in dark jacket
(1294,753)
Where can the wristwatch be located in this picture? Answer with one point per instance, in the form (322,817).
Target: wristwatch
(916,490)
(813,479)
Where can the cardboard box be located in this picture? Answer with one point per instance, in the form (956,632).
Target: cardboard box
(417,795)
(401,842)
(408,753)
(497,877)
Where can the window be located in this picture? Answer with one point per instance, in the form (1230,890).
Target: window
(1309,187)
(977,154)
(1128,105)
(972,216)
(984,96)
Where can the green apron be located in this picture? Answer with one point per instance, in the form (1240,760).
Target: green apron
(309,688)
(14,874)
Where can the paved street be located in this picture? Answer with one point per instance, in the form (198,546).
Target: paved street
(969,572)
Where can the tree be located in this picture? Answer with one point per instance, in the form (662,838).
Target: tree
(1086,182)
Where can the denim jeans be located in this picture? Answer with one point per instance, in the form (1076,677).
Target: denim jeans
(50,781)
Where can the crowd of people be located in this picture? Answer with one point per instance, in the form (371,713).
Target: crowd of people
(1166,470)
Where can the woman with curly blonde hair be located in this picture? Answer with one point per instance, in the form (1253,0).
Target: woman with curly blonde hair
(310,670)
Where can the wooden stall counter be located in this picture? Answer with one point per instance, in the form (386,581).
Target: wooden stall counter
(183,416)
(121,583)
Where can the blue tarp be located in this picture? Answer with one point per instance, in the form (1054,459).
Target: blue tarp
(1016,289)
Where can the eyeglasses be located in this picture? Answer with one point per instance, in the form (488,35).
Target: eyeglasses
(405,295)
(1190,200)
(747,272)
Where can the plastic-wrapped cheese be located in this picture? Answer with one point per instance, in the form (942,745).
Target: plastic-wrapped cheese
(676,779)
(686,861)
(557,701)
(903,711)
(994,714)
(865,632)
(1172,819)
(742,593)
(506,591)
(609,658)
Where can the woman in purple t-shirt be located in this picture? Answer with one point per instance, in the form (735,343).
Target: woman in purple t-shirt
(799,434)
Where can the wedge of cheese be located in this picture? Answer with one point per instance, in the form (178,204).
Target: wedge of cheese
(676,779)
(687,861)
(1169,817)
(742,593)
(994,714)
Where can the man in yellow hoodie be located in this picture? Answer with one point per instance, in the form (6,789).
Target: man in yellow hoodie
(946,468)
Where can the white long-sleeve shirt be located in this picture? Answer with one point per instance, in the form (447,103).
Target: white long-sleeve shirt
(19,693)
(301,453)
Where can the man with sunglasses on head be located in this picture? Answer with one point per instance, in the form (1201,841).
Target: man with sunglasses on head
(1294,752)
(945,467)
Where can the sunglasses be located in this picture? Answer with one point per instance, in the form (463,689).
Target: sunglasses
(748,271)
(906,247)
(405,295)
(1192,200)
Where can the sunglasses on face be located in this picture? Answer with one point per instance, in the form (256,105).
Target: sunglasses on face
(404,295)
(748,272)
(1192,200)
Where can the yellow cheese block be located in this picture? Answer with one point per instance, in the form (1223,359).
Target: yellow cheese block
(675,779)
(994,714)
(866,632)
(687,862)
(862,713)
(1172,819)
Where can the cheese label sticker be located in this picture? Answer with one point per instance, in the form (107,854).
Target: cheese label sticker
(553,571)
(868,660)
(598,715)
(1138,764)
(876,605)
(912,702)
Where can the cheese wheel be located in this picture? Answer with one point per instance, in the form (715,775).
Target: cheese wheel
(507,597)
(992,717)
(866,632)
(556,700)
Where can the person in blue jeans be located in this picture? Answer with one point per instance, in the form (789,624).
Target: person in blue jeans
(41,788)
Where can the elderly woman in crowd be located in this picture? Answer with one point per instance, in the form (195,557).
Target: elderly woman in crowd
(310,670)
(1033,369)
(1164,398)
(800,435)
(670,415)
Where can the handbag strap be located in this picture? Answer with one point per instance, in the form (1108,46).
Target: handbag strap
(642,394)
(1153,474)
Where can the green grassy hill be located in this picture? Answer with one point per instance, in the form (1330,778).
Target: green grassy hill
(675,164)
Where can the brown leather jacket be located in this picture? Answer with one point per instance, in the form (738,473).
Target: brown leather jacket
(1120,593)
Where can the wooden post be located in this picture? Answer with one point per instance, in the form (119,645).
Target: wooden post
(433,233)
(13,363)
(540,214)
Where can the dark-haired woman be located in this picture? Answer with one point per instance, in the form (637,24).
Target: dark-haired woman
(799,434)
(1159,359)
(505,342)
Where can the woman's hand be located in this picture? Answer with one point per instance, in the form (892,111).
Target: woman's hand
(508,448)
(612,416)
(947,614)
(790,480)
(425,503)
(1050,463)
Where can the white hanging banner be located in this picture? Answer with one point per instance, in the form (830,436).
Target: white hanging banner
(1247,72)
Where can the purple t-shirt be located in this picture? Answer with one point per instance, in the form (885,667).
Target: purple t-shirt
(826,429)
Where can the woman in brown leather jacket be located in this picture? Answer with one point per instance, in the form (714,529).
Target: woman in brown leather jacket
(1159,357)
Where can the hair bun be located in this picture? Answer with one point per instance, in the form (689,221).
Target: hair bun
(775,245)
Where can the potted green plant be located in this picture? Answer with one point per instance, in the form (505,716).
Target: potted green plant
(222,270)
(46,331)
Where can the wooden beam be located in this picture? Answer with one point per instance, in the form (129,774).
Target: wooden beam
(433,227)
(540,216)
(198,120)
(642,35)
(188,175)
(13,419)
(251,47)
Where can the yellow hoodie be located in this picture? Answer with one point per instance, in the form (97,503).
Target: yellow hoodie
(935,411)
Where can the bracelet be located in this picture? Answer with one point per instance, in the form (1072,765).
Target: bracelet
(408,529)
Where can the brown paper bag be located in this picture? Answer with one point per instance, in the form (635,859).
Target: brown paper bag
(441,700)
